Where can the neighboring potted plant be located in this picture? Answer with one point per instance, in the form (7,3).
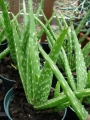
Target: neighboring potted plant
(33,46)
(71,60)
(8,61)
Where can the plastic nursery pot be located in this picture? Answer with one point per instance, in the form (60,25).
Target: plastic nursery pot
(9,96)
(3,115)
(71,115)
(3,45)
(8,84)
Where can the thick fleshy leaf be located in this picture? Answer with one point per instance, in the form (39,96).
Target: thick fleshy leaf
(45,79)
(80,63)
(33,65)
(8,28)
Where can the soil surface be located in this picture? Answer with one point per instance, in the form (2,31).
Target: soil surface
(20,109)
(7,68)
(8,71)
(24,111)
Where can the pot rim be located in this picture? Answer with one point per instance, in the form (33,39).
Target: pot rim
(9,96)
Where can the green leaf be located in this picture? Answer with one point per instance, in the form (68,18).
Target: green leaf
(8,28)
(88,80)
(39,8)
(50,38)
(87,61)
(19,57)
(4,53)
(68,44)
(2,35)
(82,22)
(68,71)
(45,79)
(80,63)
(86,50)
(57,89)
(1,22)
(33,64)
(25,14)
(48,25)
(17,25)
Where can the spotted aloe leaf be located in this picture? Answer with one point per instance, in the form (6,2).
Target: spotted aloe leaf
(86,50)
(57,89)
(68,44)
(33,64)
(46,75)
(69,75)
(80,63)
(2,35)
(19,56)
(26,26)
(8,28)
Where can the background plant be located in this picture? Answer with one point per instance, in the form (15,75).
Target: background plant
(80,12)
(71,52)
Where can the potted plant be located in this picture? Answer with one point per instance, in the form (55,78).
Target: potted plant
(37,82)
(8,61)
(68,59)
(29,29)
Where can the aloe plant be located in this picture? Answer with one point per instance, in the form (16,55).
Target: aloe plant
(26,46)
(37,82)
(79,59)
(7,22)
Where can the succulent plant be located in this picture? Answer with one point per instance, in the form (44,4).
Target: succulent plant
(71,57)
(37,82)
